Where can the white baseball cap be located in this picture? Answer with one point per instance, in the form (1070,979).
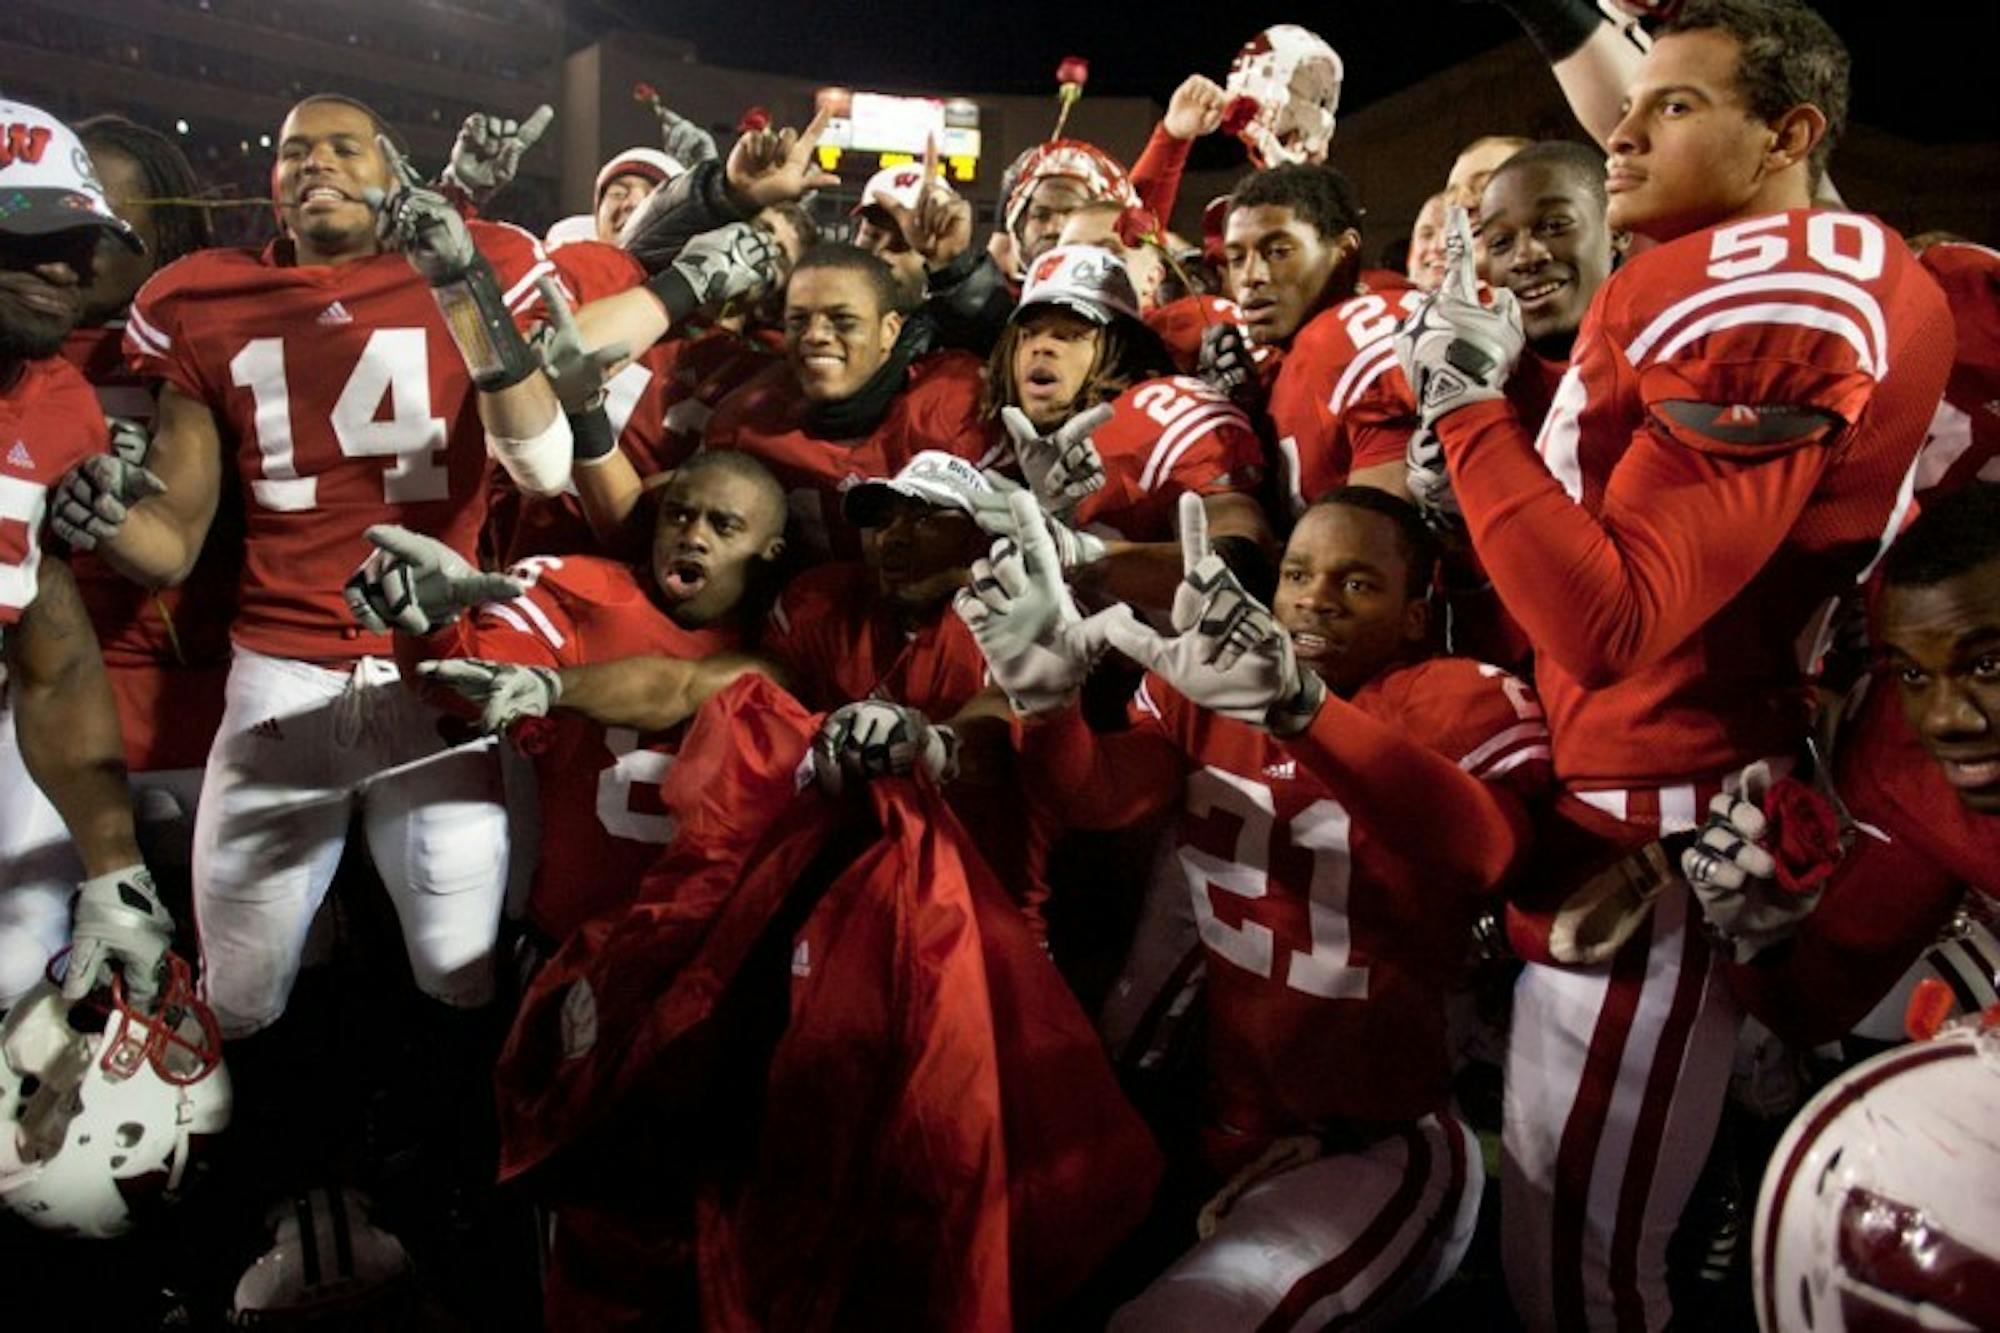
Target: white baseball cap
(47,183)
(933,476)
(1085,278)
(651,163)
(902,186)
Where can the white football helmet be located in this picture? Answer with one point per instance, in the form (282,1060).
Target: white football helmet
(1880,1208)
(1966,958)
(328,1266)
(1284,88)
(101,1105)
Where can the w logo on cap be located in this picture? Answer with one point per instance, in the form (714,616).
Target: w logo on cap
(24,143)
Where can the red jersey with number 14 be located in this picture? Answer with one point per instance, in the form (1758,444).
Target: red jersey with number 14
(602,821)
(345,403)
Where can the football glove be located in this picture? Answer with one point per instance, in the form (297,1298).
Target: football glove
(1062,467)
(1735,877)
(739,260)
(93,500)
(1428,481)
(119,922)
(506,692)
(1454,350)
(684,141)
(860,742)
(994,513)
(1226,364)
(577,372)
(1022,616)
(417,584)
(1229,653)
(414,219)
(488,151)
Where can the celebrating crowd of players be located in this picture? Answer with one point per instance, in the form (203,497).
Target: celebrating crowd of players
(960,782)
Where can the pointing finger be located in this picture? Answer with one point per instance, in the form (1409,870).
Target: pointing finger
(1194,532)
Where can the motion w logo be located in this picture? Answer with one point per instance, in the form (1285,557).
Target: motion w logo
(23,143)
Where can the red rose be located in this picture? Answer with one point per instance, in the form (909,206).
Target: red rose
(754,121)
(1073,72)
(533,735)
(1137,225)
(645,92)
(1804,835)
(1237,115)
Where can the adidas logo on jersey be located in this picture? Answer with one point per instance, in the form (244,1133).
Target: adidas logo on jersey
(19,456)
(335,314)
(268,729)
(1284,772)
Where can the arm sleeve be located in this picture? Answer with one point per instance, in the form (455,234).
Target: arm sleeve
(1680,532)
(1156,176)
(1099,782)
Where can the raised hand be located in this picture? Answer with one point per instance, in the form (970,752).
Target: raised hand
(994,513)
(1454,350)
(1744,899)
(577,372)
(1196,107)
(1063,466)
(1429,483)
(873,738)
(939,226)
(1023,618)
(505,692)
(738,260)
(92,502)
(772,166)
(1226,363)
(684,141)
(487,152)
(417,584)
(419,222)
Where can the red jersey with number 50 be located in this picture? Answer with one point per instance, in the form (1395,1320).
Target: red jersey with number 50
(49,423)
(1330,947)
(1165,437)
(1964,440)
(346,403)
(1325,423)
(602,821)
(938,408)
(1816,310)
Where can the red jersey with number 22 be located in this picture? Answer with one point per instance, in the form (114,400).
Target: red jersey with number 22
(346,404)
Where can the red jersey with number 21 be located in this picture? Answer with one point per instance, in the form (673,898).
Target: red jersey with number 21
(346,404)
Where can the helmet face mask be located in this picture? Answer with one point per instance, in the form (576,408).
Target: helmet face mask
(1284,90)
(101,1104)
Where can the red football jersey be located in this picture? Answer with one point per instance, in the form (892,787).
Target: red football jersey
(937,409)
(1181,324)
(346,404)
(1964,438)
(166,649)
(1324,422)
(1672,576)
(1331,944)
(1890,782)
(602,821)
(49,422)
(1165,437)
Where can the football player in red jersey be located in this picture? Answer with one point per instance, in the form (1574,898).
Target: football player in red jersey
(325,373)
(1732,445)
(58,721)
(1918,767)
(1344,800)
(1294,252)
(1964,438)
(856,398)
(720,528)
(1108,441)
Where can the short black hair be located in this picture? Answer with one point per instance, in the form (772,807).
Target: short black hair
(1790,56)
(841,255)
(1586,164)
(1952,536)
(375,118)
(745,467)
(179,229)
(1319,194)
(1420,544)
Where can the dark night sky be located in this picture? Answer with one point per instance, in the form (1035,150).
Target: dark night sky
(1931,81)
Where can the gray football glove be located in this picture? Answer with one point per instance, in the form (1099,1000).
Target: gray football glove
(92,502)
(873,738)
(684,141)
(1453,350)
(488,150)
(1062,467)
(994,512)
(506,692)
(416,220)
(1226,364)
(1229,654)
(737,260)
(577,372)
(1428,481)
(119,922)
(417,584)
(1735,878)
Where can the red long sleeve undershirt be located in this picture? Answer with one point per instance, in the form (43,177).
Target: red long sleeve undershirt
(1156,176)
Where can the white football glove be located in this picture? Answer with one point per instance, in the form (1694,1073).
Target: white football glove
(506,692)
(1229,655)
(417,584)
(416,220)
(488,151)
(119,922)
(1428,481)
(1454,350)
(860,742)
(1226,363)
(1062,467)
(92,502)
(130,440)
(577,372)
(1026,624)
(1735,877)
(993,511)
(738,260)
